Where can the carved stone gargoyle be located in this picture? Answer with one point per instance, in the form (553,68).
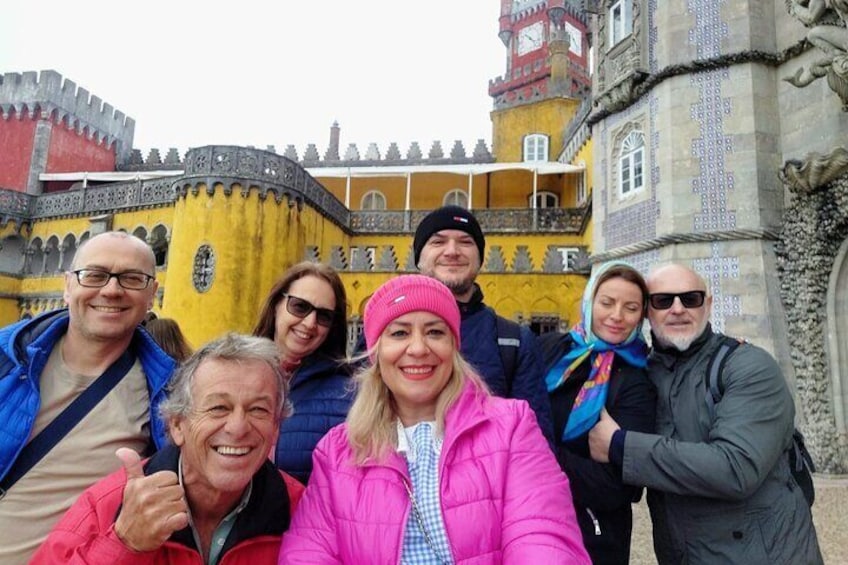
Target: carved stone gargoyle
(826,20)
(814,171)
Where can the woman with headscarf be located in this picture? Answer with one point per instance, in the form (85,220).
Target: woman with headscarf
(600,364)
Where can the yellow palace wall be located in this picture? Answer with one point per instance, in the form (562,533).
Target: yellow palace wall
(511,294)
(255,240)
(511,125)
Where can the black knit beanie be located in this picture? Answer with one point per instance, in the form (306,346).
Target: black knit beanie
(448,218)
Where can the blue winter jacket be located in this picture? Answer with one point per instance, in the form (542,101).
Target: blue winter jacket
(321,392)
(479,331)
(24,349)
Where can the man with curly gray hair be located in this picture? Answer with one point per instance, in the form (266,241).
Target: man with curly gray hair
(212,491)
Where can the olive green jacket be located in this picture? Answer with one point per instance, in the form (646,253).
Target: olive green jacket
(720,490)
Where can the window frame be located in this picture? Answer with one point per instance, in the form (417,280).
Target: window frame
(535,145)
(372,194)
(619,30)
(447,200)
(543,194)
(631,164)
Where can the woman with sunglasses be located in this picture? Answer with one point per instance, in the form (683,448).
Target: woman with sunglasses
(305,315)
(600,364)
(429,467)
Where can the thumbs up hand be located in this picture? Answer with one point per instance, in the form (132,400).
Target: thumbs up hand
(153,507)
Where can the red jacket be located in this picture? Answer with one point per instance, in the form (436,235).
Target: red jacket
(86,533)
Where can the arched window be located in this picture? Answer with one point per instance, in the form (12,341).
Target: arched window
(631,164)
(544,199)
(456,197)
(373,200)
(535,147)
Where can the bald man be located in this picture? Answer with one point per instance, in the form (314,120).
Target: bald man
(719,484)
(52,365)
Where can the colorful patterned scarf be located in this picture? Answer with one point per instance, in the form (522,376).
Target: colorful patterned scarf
(592,397)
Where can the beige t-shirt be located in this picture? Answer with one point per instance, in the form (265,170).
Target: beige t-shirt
(86,454)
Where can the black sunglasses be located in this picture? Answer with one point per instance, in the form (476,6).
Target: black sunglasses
(690,299)
(302,308)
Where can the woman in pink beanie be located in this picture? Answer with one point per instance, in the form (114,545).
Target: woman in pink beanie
(428,467)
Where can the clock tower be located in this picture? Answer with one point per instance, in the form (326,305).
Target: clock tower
(547,73)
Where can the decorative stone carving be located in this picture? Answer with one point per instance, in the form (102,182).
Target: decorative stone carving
(360,260)
(553,262)
(620,68)
(311,254)
(410,266)
(204,268)
(522,263)
(387,261)
(827,20)
(338,261)
(496,262)
(815,171)
(622,94)
(815,224)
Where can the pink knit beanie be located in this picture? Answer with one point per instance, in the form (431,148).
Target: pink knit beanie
(409,293)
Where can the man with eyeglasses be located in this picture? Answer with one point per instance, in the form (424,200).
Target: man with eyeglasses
(75,385)
(719,484)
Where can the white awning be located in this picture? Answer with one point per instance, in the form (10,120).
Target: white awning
(541,168)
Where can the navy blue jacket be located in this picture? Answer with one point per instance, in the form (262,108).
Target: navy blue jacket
(24,349)
(601,500)
(321,391)
(479,332)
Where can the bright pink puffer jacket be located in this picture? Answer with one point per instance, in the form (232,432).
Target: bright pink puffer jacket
(504,498)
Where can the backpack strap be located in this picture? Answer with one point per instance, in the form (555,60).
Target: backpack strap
(53,433)
(509,340)
(713,383)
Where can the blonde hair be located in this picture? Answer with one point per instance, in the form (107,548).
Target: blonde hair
(372,419)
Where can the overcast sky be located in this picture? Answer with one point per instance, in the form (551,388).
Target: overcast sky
(257,73)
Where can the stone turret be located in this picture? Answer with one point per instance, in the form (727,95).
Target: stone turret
(65,101)
(48,125)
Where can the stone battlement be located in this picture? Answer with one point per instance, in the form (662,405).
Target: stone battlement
(49,96)
(372,157)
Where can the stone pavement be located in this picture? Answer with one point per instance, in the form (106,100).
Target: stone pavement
(830,515)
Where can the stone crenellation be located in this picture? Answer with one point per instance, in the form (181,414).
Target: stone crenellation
(457,155)
(47,95)
(526,8)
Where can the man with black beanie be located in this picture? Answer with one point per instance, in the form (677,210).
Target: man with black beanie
(449,246)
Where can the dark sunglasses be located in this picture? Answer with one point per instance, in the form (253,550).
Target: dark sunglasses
(302,308)
(665,300)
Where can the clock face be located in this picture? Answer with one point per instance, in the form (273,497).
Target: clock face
(531,38)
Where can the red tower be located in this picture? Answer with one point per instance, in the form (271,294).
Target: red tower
(50,126)
(535,33)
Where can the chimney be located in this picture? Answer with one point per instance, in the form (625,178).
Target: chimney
(333,150)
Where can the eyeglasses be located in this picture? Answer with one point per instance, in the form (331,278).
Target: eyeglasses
(95,278)
(665,300)
(302,308)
